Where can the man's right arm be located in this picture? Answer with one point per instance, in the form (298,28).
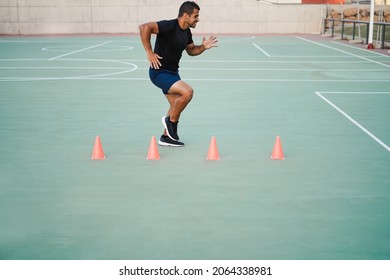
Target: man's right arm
(146,30)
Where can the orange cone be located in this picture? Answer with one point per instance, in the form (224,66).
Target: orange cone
(97,152)
(277,153)
(213,150)
(153,150)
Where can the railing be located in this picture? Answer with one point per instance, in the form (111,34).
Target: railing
(382,25)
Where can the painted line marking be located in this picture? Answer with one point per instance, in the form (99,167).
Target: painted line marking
(81,50)
(216,61)
(275,69)
(365,50)
(355,55)
(380,142)
(60,68)
(20,79)
(263,51)
(356,92)
(130,68)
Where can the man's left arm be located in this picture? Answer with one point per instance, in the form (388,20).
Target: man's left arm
(209,43)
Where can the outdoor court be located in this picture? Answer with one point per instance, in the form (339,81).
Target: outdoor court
(327,100)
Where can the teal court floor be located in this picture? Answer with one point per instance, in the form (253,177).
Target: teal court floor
(327,100)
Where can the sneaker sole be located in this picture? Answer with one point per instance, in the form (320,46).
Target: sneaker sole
(168,144)
(166,128)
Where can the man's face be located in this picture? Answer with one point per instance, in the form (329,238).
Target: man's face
(193,18)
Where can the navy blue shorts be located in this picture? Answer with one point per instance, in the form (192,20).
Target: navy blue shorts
(163,78)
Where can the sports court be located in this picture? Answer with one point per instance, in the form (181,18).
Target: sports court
(327,100)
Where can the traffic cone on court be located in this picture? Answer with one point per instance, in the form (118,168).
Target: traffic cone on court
(277,153)
(213,150)
(97,152)
(153,150)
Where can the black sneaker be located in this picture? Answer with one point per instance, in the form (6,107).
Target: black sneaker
(166,141)
(170,127)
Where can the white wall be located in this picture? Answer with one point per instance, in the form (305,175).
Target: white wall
(124,16)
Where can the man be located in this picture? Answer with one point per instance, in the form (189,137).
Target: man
(173,37)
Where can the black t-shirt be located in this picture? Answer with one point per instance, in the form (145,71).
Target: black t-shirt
(170,42)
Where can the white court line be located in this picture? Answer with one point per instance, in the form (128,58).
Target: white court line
(212,61)
(234,39)
(95,76)
(354,122)
(356,92)
(21,79)
(355,55)
(242,61)
(84,49)
(272,62)
(60,68)
(312,56)
(269,70)
(67,42)
(357,48)
(263,51)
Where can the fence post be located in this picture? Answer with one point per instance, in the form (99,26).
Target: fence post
(332,27)
(324,25)
(383,36)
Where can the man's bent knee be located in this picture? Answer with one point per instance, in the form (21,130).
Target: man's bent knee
(182,89)
(188,94)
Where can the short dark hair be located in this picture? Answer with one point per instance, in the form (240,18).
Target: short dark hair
(188,7)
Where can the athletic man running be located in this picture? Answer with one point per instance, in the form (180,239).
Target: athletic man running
(173,36)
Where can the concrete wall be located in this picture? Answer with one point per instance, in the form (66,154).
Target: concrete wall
(124,16)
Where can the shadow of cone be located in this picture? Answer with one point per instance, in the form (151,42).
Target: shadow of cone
(277,153)
(97,152)
(213,150)
(153,153)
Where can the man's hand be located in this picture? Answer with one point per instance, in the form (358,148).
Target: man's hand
(154,60)
(210,42)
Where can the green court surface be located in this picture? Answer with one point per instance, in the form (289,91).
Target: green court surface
(328,102)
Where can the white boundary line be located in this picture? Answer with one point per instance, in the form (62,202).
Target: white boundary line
(65,68)
(357,48)
(232,39)
(195,68)
(95,76)
(356,92)
(215,61)
(269,69)
(77,51)
(263,51)
(332,48)
(22,79)
(274,61)
(353,121)
(113,48)
(135,67)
